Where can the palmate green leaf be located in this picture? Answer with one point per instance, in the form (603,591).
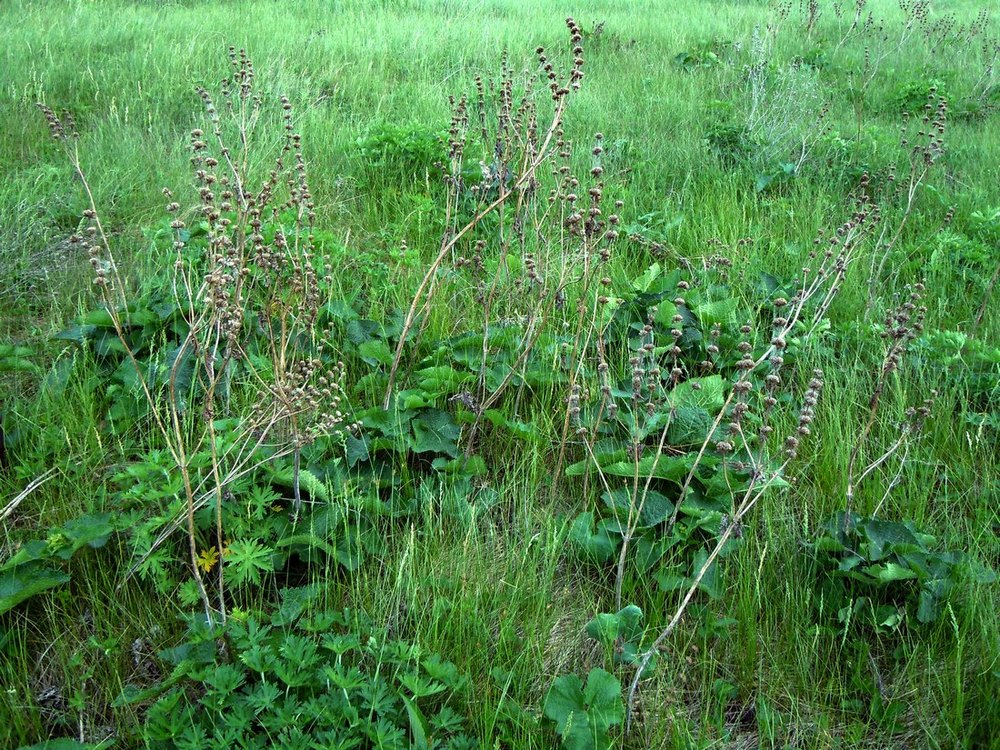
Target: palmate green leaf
(420,687)
(21,582)
(606,628)
(583,716)
(246,560)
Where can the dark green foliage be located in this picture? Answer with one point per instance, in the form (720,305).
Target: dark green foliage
(304,676)
(886,571)
(584,715)
(38,565)
(400,155)
(709,54)
(913,95)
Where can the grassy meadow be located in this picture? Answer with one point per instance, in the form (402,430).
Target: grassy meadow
(363,384)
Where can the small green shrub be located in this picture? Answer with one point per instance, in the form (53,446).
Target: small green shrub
(400,155)
(304,678)
(706,54)
(914,94)
(882,572)
(584,715)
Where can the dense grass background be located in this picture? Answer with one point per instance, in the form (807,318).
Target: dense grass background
(127,70)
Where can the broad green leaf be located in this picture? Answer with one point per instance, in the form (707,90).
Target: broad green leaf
(655,509)
(414,398)
(606,628)
(890,572)
(584,716)
(466,466)
(644,281)
(21,582)
(307,540)
(665,312)
(442,378)
(673,468)
(356,449)
(603,696)
(564,700)
(435,431)
(707,393)
(76,333)
(710,582)
(92,530)
(375,352)
(721,311)
(596,545)
(520,430)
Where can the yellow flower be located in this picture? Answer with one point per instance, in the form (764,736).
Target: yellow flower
(208,558)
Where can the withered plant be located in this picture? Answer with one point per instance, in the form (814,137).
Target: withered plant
(249,301)
(504,129)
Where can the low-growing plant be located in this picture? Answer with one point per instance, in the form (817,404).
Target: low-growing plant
(400,155)
(885,572)
(585,714)
(243,306)
(303,677)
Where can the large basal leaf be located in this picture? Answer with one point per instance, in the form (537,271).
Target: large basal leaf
(722,311)
(435,431)
(564,700)
(583,716)
(606,628)
(603,696)
(884,536)
(655,509)
(596,544)
(21,582)
(91,530)
(659,466)
(375,352)
(707,393)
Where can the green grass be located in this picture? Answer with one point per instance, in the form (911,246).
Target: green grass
(501,591)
